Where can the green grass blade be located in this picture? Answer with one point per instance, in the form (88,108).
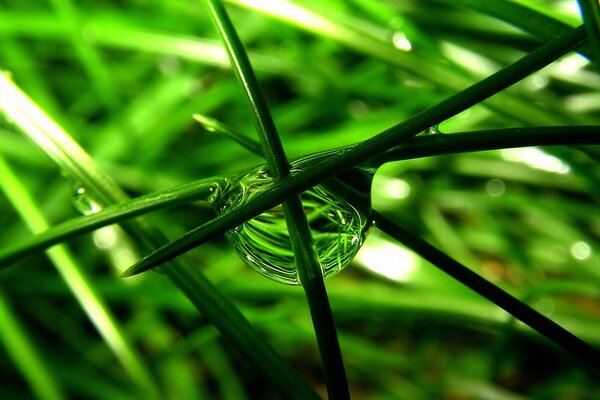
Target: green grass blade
(367,149)
(590,12)
(24,355)
(305,256)
(479,141)
(77,164)
(183,194)
(212,125)
(417,147)
(516,308)
(79,283)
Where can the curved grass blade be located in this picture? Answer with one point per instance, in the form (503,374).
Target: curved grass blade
(417,147)
(77,164)
(305,255)
(363,151)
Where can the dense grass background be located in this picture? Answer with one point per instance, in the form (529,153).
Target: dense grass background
(124,78)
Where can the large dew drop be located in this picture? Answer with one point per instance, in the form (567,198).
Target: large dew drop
(338,229)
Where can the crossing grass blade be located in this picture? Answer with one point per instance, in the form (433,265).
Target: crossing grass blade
(77,164)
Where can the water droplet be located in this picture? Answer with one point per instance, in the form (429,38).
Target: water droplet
(495,187)
(84,202)
(337,227)
(433,130)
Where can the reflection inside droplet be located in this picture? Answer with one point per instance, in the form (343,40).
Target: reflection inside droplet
(338,229)
(83,202)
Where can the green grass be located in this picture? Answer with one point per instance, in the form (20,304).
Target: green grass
(123,82)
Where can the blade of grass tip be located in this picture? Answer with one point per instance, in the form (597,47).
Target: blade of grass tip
(305,256)
(27,359)
(182,194)
(82,287)
(590,13)
(548,328)
(362,151)
(225,316)
(212,125)
(417,147)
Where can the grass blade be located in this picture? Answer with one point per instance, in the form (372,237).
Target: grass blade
(183,194)
(551,330)
(77,164)
(367,149)
(305,256)
(417,147)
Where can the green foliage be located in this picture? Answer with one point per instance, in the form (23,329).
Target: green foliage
(125,79)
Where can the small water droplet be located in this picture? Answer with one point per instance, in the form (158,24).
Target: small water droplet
(337,227)
(84,202)
(495,187)
(432,130)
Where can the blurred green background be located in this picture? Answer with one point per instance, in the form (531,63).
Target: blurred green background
(124,79)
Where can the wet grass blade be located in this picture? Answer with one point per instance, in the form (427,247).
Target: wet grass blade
(361,152)
(183,194)
(79,166)
(421,146)
(305,256)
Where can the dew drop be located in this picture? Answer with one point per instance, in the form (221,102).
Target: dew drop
(337,227)
(83,202)
(432,130)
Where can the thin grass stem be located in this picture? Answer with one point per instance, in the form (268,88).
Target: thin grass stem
(305,256)
(519,310)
